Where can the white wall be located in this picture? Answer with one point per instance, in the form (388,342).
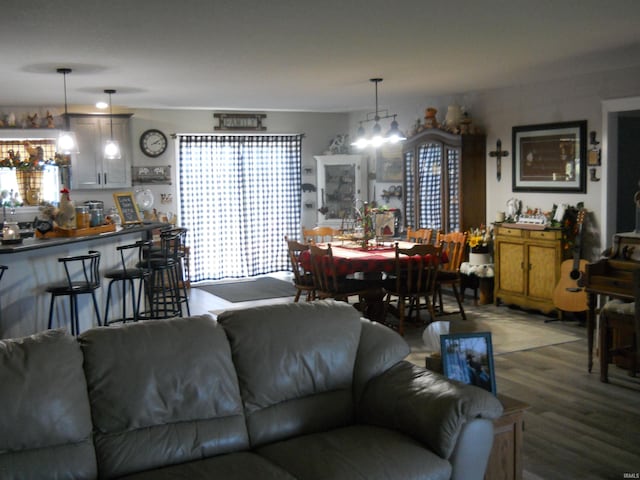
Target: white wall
(498,110)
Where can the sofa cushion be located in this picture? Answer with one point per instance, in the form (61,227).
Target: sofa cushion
(45,421)
(295,366)
(162,392)
(233,466)
(357,452)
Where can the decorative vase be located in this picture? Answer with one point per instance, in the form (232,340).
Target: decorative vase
(29,186)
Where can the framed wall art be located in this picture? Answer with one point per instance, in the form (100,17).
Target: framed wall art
(468,358)
(550,157)
(156,175)
(389,163)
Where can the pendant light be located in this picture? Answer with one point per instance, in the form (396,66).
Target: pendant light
(376,139)
(67,142)
(111,147)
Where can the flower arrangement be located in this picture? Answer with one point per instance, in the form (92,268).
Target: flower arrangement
(480,238)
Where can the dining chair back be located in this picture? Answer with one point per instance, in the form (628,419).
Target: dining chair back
(319,234)
(414,277)
(302,279)
(421,235)
(327,282)
(453,246)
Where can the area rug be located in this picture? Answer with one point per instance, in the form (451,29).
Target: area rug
(247,290)
(511,330)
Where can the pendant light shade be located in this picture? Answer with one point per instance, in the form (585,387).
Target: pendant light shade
(67,143)
(377,139)
(111,147)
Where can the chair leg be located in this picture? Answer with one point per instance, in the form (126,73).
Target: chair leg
(604,351)
(298,293)
(51,304)
(456,293)
(95,307)
(106,308)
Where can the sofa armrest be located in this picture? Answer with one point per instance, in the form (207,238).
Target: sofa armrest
(425,405)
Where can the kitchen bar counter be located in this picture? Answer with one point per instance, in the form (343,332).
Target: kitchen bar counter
(33,265)
(34,243)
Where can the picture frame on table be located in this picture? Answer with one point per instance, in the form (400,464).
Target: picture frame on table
(550,157)
(468,358)
(127,208)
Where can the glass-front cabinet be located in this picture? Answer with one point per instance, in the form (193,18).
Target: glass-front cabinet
(445,181)
(342,181)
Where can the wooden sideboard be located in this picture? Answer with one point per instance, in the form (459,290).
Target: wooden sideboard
(527,266)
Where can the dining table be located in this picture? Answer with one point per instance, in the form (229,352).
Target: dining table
(370,263)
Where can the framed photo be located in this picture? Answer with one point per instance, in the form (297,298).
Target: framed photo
(157,175)
(550,157)
(389,163)
(468,358)
(127,208)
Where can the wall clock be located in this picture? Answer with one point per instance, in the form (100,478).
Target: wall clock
(153,143)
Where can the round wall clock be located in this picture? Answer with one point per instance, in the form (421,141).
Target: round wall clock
(153,143)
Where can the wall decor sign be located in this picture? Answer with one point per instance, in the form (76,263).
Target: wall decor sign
(240,121)
(157,175)
(468,358)
(389,163)
(550,157)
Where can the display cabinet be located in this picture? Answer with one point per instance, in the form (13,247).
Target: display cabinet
(527,266)
(90,170)
(342,180)
(445,180)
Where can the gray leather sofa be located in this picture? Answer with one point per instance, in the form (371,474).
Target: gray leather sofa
(294,391)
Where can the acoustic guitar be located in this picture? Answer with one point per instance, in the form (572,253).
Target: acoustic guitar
(569,294)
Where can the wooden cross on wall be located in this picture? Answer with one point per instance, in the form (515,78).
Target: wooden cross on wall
(499,153)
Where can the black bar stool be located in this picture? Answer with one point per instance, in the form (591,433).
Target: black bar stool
(82,277)
(128,274)
(163,289)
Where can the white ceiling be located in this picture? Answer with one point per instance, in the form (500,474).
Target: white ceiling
(301,55)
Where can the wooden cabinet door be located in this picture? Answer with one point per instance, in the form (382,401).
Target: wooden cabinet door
(542,266)
(511,258)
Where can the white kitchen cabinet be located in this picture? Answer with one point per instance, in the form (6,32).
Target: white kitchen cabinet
(342,179)
(89,169)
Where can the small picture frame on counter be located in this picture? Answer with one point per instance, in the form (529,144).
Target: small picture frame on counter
(127,208)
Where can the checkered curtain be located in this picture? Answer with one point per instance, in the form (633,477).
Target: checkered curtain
(239,196)
(430,181)
(409,192)
(453,173)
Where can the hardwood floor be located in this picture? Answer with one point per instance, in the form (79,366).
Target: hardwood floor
(576,427)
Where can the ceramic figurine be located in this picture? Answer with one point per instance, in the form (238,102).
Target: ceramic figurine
(66,217)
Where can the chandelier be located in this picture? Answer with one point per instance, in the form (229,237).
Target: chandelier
(377,139)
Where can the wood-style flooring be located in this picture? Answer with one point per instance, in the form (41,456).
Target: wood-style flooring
(576,427)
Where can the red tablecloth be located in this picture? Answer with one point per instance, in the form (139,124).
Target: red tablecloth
(352,260)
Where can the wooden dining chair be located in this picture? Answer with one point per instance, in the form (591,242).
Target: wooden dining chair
(421,235)
(327,282)
(319,234)
(302,279)
(453,246)
(414,277)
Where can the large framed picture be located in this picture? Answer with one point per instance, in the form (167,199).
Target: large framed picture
(550,157)
(468,358)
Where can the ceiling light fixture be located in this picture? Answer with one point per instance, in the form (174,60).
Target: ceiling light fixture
(394,135)
(67,142)
(111,147)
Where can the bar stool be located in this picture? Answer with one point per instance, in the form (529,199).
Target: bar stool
(82,277)
(128,274)
(164,298)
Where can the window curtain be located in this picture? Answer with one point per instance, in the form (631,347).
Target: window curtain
(239,196)
(430,180)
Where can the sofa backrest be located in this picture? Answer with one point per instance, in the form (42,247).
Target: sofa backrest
(162,392)
(45,421)
(295,365)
